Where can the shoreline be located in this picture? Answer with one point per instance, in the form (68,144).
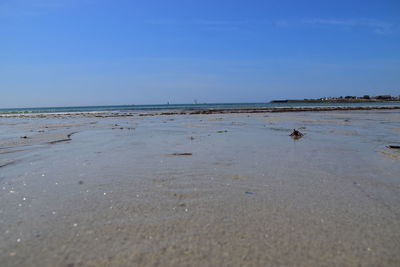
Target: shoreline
(123,113)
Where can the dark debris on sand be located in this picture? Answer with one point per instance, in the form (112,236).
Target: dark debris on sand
(181,154)
(296,134)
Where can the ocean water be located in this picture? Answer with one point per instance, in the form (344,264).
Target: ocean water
(184,107)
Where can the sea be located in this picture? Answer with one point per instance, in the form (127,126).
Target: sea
(184,107)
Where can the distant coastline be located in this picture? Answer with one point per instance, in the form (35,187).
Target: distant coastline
(276,106)
(332,101)
(203,111)
(341,99)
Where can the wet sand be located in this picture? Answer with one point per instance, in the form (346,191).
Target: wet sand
(219,189)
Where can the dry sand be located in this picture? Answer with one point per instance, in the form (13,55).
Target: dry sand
(200,190)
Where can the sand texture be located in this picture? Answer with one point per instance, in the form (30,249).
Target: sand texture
(219,189)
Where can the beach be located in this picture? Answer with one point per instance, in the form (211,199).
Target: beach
(200,188)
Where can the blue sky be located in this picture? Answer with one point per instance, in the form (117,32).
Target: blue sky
(97,52)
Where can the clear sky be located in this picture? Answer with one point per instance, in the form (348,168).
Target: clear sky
(98,52)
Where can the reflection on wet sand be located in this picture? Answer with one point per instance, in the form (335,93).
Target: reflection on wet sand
(200,189)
